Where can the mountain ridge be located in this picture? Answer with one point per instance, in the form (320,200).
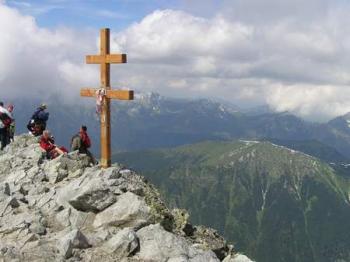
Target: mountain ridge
(256,193)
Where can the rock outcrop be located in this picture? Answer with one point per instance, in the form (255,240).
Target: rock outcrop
(64,209)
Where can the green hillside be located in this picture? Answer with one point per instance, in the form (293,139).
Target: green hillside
(274,203)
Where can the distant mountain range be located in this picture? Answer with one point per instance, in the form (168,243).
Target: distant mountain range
(276,203)
(153,121)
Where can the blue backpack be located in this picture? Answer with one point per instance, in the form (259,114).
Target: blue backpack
(40,115)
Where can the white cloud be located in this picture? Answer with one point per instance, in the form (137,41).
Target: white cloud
(290,66)
(34,61)
(287,59)
(319,102)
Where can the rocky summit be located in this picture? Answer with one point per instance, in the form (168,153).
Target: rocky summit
(64,209)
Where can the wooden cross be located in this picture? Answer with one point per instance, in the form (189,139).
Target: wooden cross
(105,59)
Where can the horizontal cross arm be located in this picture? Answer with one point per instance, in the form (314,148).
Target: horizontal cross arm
(120,94)
(109,59)
(112,94)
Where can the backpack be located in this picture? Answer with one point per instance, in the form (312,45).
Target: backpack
(35,115)
(40,115)
(5,119)
(85,140)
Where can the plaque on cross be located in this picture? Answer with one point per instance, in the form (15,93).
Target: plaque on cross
(105,59)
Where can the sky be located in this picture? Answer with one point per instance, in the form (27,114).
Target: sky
(292,55)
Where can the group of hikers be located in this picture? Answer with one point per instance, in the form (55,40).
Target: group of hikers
(37,127)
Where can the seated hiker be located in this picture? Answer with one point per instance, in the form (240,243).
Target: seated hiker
(37,123)
(47,143)
(81,141)
(5,121)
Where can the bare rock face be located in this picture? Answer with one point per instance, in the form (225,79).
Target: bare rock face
(71,240)
(123,243)
(237,258)
(64,209)
(156,244)
(129,210)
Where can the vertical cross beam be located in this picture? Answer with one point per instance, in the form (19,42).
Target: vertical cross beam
(106,110)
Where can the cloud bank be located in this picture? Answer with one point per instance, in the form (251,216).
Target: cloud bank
(293,56)
(38,62)
(291,62)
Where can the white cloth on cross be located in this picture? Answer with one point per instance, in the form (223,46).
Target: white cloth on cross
(100,94)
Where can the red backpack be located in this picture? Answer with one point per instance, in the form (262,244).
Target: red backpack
(85,139)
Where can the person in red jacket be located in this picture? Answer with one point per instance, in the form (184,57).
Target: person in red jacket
(47,143)
(81,142)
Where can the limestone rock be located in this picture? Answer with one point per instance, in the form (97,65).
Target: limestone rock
(5,189)
(123,243)
(156,244)
(237,258)
(91,192)
(93,197)
(69,217)
(74,239)
(130,210)
(38,224)
(7,205)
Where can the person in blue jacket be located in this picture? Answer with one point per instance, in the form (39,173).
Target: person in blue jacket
(37,123)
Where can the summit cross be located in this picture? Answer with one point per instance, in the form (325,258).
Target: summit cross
(105,59)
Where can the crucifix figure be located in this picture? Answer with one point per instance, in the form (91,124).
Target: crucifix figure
(106,93)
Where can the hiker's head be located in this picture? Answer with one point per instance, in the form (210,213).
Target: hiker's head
(1,104)
(43,106)
(10,107)
(46,134)
(83,128)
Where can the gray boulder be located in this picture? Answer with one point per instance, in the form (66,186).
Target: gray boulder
(74,239)
(130,210)
(123,243)
(94,196)
(156,244)
(237,258)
